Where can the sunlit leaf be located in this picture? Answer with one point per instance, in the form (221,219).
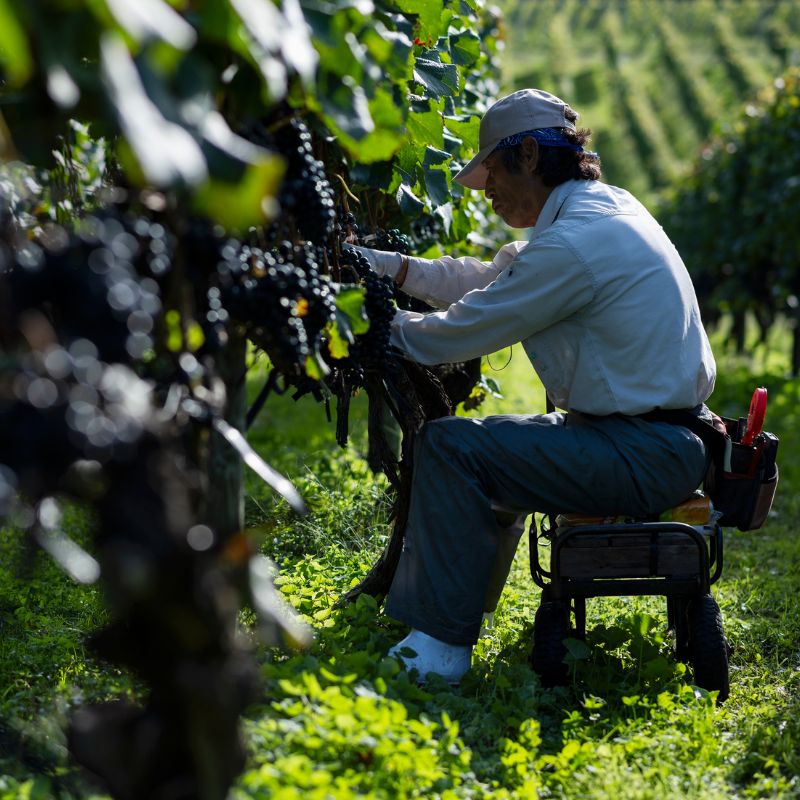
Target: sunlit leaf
(465,48)
(345,106)
(439,80)
(409,203)
(339,336)
(431,23)
(437,185)
(426,128)
(167,153)
(350,302)
(15,55)
(445,214)
(152,19)
(248,202)
(315,367)
(284,34)
(466,128)
(275,615)
(437,176)
(382,142)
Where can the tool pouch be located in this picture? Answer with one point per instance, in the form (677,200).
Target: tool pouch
(742,484)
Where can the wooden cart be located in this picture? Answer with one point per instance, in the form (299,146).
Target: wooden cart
(673,559)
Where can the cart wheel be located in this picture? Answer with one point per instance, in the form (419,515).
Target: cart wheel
(550,628)
(708,647)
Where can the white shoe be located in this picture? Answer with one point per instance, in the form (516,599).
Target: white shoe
(450,661)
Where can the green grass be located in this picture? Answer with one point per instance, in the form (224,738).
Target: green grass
(341,720)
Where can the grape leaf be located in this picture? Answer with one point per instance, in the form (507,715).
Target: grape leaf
(439,80)
(466,128)
(350,303)
(465,48)
(409,203)
(430,15)
(426,128)
(437,177)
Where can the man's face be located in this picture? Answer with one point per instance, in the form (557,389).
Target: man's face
(512,193)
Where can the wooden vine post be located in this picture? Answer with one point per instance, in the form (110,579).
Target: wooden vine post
(225,471)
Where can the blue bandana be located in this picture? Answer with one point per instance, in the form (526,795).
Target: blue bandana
(548,137)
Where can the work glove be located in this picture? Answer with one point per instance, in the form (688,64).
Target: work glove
(381,261)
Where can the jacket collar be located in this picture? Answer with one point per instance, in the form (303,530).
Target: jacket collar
(553,205)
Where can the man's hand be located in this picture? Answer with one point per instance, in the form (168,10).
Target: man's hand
(382,262)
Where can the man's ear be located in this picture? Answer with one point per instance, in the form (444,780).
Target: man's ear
(530,153)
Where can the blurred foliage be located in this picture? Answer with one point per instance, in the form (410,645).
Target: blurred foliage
(396,87)
(652,78)
(166,174)
(733,217)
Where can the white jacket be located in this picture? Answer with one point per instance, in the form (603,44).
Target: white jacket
(599,298)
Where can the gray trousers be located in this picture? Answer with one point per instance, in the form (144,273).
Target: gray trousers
(465,468)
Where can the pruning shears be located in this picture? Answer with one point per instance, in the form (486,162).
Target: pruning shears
(755,417)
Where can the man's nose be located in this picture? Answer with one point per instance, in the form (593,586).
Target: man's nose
(488,189)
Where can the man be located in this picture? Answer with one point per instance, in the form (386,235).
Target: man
(608,317)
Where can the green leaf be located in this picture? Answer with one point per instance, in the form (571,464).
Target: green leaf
(445,214)
(576,650)
(434,157)
(248,202)
(409,203)
(465,48)
(167,153)
(406,162)
(439,80)
(345,107)
(15,55)
(383,142)
(437,184)
(146,20)
(279,34)
(431,24)
(426,128)
(466,128)
(316,368)
(397,63)
(437,177)
(350,302)
(339,336)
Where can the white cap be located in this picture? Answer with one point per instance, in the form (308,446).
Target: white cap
(525,110)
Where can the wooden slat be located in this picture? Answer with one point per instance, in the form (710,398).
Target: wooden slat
(628,556)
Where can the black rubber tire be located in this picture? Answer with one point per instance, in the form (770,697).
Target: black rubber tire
(708,647)
(550,628)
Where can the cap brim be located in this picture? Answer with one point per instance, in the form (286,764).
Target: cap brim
(474,174)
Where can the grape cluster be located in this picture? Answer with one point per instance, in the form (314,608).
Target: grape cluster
(280,298)
(370,349)
(392,240)
(62,405)
(346,226)
(108,264)
(426,231)
(305,193)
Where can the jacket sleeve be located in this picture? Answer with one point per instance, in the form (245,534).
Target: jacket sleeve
(545,283)
(443,281)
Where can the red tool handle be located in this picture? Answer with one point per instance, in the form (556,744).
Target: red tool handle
(755,417)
